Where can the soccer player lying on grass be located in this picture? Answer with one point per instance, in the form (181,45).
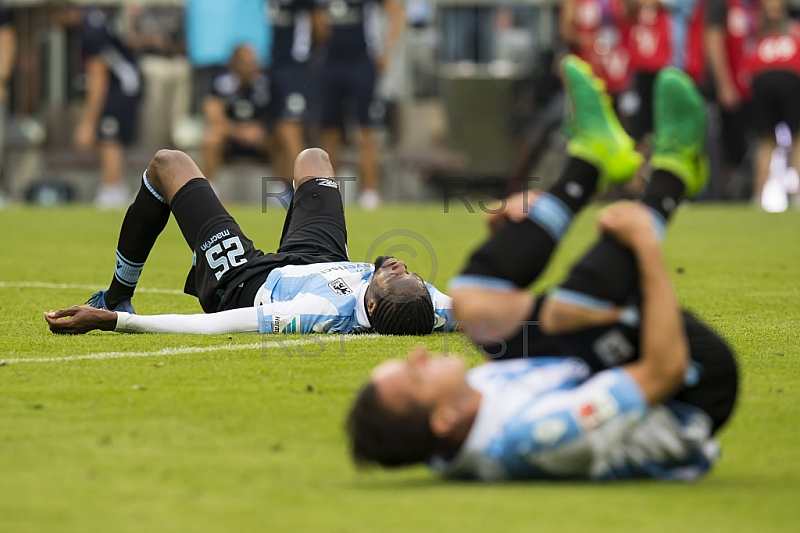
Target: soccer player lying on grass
(603,378)
(308,286)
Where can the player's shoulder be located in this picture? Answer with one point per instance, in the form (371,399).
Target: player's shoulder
(545,370)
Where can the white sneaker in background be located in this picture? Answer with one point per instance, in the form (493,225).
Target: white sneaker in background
(369,200)
(112,196)
(774,198)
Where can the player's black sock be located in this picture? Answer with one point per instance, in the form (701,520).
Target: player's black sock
(519,252)
(608,271)
(576,185)
(146,218)
(663,193)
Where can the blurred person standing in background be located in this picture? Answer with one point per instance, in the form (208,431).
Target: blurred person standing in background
(356,54)
(595,32)
(213,29)
(111,105)
(8,52)
(296,28)
(774,65)
(730,30)
(236,112)
(659,37)
(156,33)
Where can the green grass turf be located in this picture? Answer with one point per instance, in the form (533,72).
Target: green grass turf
(248,439)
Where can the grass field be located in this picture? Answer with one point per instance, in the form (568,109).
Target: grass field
(110,432)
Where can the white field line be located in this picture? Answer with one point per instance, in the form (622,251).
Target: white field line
(69,286)
(196,349)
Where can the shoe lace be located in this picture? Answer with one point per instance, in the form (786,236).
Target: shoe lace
(95,299)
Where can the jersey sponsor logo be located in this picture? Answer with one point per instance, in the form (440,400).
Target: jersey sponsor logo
(340,287)
(613,348)
(774,49)
(286,324)
(597,411)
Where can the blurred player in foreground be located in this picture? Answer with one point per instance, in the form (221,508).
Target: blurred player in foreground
(606,378)
(308,286)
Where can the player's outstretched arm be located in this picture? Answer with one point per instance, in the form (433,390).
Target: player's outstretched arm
(82,319)
(664,350)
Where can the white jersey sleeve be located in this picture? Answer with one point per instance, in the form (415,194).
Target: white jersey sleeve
(305,314)
(244,320)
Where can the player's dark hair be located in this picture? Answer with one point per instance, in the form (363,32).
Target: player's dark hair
(406,310)
(379,436)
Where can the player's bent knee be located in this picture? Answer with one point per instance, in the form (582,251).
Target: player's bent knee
(312,163)
(169,170)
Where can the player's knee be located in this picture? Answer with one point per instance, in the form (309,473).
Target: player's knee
(314,157)
(312,163)
(166,159)
(170,169)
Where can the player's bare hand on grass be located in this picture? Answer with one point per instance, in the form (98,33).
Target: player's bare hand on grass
(80,319)
(628,222)
(516,209)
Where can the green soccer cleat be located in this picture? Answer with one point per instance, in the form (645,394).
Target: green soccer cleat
(595,134)
(680,130)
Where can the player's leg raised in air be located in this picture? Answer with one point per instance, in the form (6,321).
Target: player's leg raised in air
(491,299)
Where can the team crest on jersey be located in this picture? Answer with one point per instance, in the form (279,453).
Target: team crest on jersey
(340,287)
(597,411)
(286,324)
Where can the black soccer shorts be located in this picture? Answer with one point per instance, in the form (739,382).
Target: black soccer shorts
(227,269)
(713,381)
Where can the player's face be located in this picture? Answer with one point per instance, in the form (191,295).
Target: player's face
(421,379)
(246,64)
(393,273)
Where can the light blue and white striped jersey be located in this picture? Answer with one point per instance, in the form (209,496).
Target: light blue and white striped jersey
(550,418)
(327,298)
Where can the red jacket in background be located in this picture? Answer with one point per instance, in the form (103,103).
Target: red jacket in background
(603,42)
